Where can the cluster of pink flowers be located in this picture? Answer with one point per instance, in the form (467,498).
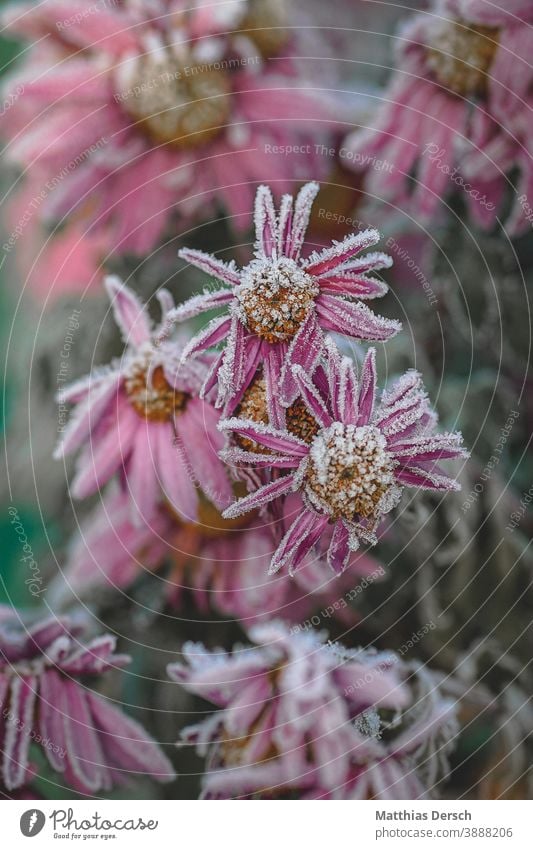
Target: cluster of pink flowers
(247,464)
(262,400)
(457,114)
(300,719)
(304,423)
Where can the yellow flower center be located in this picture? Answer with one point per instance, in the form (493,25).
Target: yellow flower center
(265,23)
(349,471)
(275,298)
(253,406)
(177,104)
(462,56)
(153,399)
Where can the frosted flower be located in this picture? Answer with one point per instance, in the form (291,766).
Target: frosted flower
(220,564)
(456,113)
(280,304)
(142,417)
(45,699)
(138,112)
(354,470)
(298,718)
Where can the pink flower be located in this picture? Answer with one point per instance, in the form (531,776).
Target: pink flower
(298,717)
(280,304)
(457,114)
(142,418)
(355,468)
(85,738)
(222,564)
(130,113)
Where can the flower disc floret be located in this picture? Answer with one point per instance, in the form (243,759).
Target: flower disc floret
(462,56)
(349,471)
(275,297)
(183,106)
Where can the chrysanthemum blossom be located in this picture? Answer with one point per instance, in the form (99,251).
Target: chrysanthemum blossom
(46,699)
(220,564)
(142,418)
(299,718)
(132,113)
(279,306)
(457,113)
(355,468)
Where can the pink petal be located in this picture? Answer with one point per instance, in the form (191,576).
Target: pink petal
(265,221)
(340,252)
(130,315)
(304,351)
(311,397)
(367,390)
(126,743)
(196,427)
(175,477)
(89,412)
(107,452)
(339,549)
(18,729)
(355,320)
(226,272)
(85,756)
(300,221)
(301,535)
(267,436)
(51,718)
(211,335)
(261,497)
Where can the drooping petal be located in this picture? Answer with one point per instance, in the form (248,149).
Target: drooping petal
(196,427)
(106,452)
(86,416)
(141,471)
(175,476)
(19,726)
(301,534)
(127,745)
(339,548)
(51,718)
(85,755)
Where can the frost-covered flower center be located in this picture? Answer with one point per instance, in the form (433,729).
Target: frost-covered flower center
(253,406)
(275,298)
(349,471)
(461,56)
(265,23)
(175,103)
(150,394)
